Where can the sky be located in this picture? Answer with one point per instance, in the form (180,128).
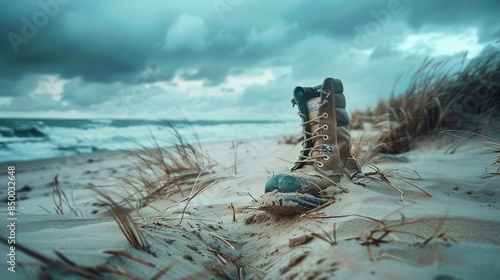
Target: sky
(221,59)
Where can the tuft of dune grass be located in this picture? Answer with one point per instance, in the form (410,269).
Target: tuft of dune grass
(169,168)
(438,99)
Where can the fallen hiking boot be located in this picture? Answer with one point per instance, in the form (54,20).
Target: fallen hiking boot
(322,163)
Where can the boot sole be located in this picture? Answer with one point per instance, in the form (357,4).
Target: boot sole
(289,203)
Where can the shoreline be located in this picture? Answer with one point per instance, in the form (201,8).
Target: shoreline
(98,152)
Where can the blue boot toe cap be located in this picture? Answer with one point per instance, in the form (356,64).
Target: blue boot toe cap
(287,183)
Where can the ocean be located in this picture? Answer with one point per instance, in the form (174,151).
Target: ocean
(31,139)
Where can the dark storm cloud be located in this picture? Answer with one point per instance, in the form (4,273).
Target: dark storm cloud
(383,51)
(40,103)
(99,41)
(336,18)
(213,74)
(340,18)
(103,47)
(103,41)
(23,86)
(483,14)
(7,87)
(79,93)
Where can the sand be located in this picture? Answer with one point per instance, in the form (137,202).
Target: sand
(367,233)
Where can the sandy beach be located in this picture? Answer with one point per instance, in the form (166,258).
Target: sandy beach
(232,139)
(367,233)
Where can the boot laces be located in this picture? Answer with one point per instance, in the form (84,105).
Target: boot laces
(306,153)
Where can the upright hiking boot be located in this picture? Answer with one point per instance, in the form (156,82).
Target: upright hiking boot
(325,159)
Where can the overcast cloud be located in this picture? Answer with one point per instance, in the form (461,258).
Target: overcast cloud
(230,59)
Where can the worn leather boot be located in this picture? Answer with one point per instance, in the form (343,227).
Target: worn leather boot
(325,158)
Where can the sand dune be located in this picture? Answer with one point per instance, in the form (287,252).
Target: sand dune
(367,233)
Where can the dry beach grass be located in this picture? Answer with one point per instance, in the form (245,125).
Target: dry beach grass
(438,99)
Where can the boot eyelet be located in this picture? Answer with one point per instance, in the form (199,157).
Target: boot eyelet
(326,157)
(328,148)
(319,164)
(325,137)
(325,127)
(325,115)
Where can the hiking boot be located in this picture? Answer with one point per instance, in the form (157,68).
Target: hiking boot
(325,157)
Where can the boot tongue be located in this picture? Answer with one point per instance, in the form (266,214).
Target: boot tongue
(313,111)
